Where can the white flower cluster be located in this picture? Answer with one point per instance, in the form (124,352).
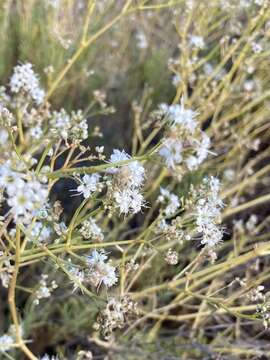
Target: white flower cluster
(100,272)
(25,194)
(208,211)
(257,294)
(115,315)
(89,184)
(171,257)
(172,201)
(26,81)
(127,182)
(78,277)
(6,341)
(90,230)
(65,126)
(185,142)
(171,151)
(44,291)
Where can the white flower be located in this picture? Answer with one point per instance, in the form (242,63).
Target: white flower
(10,180)
(257,48)
(60,123)
(90,229)
(171,257)
(208,212)
(79,127)
(172,199)
(171,151)
(249,85)
(100,271)
(132,174)
(201,148)
(128,201)
(137,174)
(36,132)
(24,79)
(5,342)
(27,200)
(96,257)
(142,42)
(79,277)
(44,291)
(127,180)
(25,194)
(67,126)
(89,185)
(197,41)
(21,202)
(251,223)
(179,116)
(117,156)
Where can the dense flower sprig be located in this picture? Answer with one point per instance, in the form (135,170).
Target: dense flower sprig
(114,188)
(185,143)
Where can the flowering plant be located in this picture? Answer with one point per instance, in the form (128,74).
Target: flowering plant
(101,237)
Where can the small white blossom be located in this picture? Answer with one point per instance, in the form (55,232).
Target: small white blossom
(251,223)
(257,48)
(180,116)
(171,151)
(142,42)
(128,201)
(60,123)
(79,277)
(25,194)
(197,41)
(208,213)
(127,180)
(115,315)
(100,271)
(172,200)
(202,150)
(88,185)
(91,230)
(171,257)
(44,291)
(6,341)
(132,174)
(24,79)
